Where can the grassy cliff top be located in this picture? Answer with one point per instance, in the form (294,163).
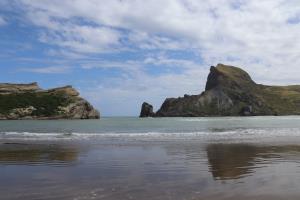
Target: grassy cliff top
(233,72)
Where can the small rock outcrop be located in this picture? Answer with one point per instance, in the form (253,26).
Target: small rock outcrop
(29,101)
(230,91)
(147,110)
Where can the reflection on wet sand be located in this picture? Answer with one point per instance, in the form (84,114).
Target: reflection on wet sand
(23,153)
(149,171)
(233,161)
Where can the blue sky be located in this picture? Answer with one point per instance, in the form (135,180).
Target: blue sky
(121,53)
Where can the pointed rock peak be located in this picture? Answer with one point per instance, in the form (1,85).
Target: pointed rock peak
(225,75)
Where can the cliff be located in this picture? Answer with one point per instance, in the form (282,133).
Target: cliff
(29,101)
(230,91)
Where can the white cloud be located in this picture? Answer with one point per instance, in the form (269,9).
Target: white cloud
(46,70)
(2,21)
(84,39)
(246,32)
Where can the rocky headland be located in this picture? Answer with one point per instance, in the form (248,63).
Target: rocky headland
(29,101)
(230,91)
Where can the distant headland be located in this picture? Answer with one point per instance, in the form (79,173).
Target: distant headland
(29,101)
(230,91)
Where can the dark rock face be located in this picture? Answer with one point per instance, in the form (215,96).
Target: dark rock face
(230,91)
(28,101)
(147,110)
(247,111)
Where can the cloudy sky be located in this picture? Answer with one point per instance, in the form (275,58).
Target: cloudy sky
(119,53)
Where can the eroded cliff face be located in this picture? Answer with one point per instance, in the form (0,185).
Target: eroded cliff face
(230,91)
(29,101)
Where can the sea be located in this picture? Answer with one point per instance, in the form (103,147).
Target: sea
(129,158)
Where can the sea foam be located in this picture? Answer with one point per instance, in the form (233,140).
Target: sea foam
(210,134)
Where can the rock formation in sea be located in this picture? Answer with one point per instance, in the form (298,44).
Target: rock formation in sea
(230,91)
(147,110)
(29,101)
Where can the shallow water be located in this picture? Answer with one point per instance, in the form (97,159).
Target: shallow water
(170,158)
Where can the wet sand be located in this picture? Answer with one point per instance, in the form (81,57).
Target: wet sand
(148,170)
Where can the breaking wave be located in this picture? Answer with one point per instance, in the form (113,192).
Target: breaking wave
(211,134)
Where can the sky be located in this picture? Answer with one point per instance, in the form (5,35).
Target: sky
(120,53)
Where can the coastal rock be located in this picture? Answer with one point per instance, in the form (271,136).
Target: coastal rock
(29,101)
(147,110)
(80,109)
(230,91)
(21,112)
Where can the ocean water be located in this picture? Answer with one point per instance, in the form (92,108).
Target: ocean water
(153,158)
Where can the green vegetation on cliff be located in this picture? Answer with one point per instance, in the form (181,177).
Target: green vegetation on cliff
(45,104)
